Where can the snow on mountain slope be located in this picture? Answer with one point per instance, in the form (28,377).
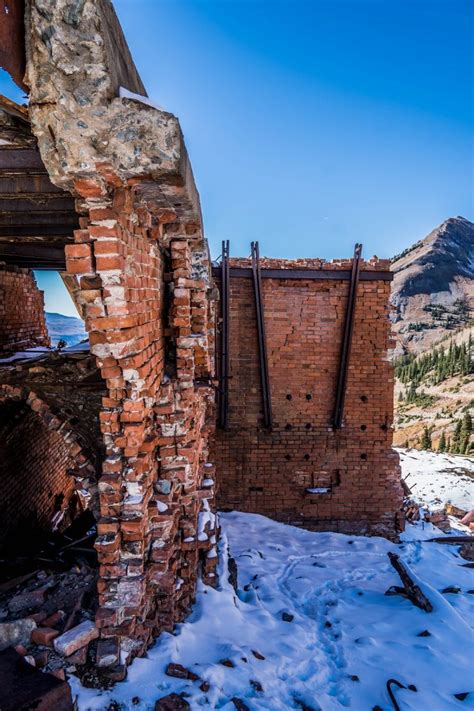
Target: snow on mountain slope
(311,628)
(65,328)
(439,479)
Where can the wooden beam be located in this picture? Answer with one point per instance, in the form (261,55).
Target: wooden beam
(27,215)
(34,255)
(19,159)
(24,184)
(412,591)
(17,232)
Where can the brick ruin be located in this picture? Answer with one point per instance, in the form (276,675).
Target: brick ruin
(22,320)
(302,470)
(128,430)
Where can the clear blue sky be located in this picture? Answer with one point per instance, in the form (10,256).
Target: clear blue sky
(315,124)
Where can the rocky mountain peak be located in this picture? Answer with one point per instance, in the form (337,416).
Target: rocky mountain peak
(433,288)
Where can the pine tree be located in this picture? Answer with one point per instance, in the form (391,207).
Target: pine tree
(465,434)
(456,443)
(426,439)
(442,443)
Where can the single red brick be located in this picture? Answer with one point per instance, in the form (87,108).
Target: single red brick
(44,636)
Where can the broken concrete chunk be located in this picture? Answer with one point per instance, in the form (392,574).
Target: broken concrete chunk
(75,638)
(17,632)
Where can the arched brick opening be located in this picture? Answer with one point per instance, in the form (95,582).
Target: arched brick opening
(44,473)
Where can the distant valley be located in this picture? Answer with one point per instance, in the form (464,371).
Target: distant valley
(65,328)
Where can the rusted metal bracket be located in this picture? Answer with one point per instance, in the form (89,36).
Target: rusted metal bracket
(224,338)
(262,341)
(347,340)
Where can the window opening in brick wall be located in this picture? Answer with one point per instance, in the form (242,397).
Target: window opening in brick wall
(63,314)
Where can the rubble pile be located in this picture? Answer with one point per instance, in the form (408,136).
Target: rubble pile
(47,611)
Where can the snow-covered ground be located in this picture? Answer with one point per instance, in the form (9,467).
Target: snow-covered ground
(438,479)
(342,638)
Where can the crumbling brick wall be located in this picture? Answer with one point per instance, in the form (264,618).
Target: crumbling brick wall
(270,472)
(34,481)
(145,296)
(46,474)
(22,319)
(65,390)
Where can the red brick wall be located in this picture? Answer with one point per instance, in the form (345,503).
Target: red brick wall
(22,319)
(34,462)
(142,277)
(269,472)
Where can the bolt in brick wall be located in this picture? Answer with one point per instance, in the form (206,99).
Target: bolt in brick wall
(22,319)
(270,472)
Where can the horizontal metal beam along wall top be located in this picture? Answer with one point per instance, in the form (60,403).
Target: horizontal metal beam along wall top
(330,274)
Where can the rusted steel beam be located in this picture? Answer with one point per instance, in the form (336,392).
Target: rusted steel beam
(307,274)
(262,341)
(225,341)
(12,40)
(347,340)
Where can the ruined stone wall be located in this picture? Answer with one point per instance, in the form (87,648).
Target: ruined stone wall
(355,469)
(22,319)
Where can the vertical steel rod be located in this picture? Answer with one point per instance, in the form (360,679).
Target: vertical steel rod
(262,341)
(224,357)
(347,340)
